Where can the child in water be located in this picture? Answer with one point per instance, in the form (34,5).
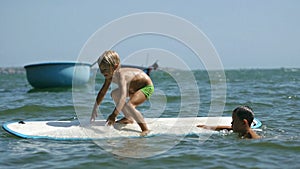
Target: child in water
(132,83)
(242,117)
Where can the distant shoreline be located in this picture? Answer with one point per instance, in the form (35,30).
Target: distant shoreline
(12,70)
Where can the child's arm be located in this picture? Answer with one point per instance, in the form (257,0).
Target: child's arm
(121,102)
(253,135)
(250,133)
(217,128)
(99,98)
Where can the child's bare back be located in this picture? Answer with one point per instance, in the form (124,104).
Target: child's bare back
(135,79)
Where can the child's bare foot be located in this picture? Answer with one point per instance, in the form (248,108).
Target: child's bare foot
(145,133)
(124,120)
(144,129)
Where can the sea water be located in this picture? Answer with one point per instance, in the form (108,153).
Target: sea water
(274,95)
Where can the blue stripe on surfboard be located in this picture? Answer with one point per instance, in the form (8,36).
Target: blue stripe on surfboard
(6,128)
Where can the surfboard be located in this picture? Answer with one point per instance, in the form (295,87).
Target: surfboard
(75,130)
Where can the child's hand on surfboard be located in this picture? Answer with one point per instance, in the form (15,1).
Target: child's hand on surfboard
(111,120)
(94,115)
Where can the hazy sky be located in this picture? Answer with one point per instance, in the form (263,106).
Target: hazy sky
(246,34)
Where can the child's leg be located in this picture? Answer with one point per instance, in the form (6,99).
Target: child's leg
(136,99)
(128,119)
(130,110)
(138,117)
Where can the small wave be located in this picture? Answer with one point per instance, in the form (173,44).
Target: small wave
(278,145)
(37,108)
(37,112)
(56,90)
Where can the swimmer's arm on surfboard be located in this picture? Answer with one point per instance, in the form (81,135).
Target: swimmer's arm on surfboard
(217,128)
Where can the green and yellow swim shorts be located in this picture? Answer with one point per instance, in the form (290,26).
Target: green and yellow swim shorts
(148,91)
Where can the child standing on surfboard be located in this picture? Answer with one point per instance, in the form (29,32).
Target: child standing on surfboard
(242,117)
(132,82)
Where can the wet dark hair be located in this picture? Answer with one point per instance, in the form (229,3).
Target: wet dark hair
(244,112)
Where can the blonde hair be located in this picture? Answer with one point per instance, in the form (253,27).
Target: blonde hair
(109,57)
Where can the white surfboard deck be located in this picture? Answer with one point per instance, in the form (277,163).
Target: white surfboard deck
(74,130)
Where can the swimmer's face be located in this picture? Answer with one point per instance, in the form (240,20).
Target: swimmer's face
(237,124)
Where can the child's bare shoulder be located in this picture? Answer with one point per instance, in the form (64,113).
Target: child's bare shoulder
(130,69)
(129,72)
